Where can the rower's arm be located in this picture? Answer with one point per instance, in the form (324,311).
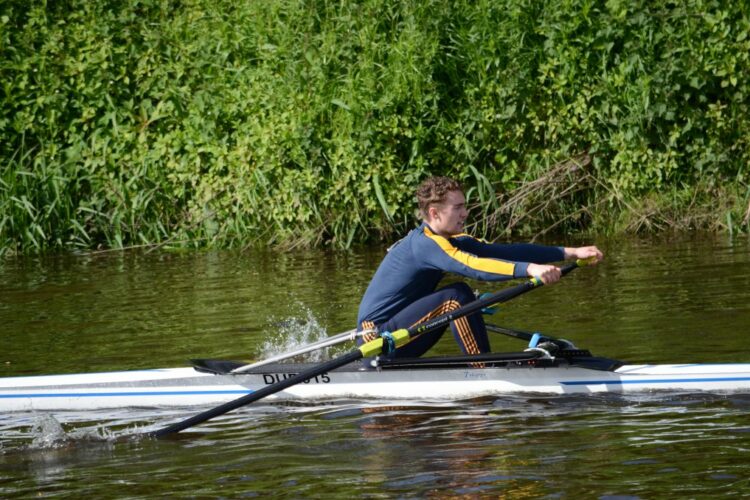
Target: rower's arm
(526,252)
(440,253)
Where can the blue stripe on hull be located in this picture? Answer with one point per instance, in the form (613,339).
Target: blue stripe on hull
(656,381)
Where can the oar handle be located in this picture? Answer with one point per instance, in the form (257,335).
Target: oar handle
(577,263)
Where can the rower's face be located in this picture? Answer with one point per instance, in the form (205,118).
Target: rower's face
(450,215)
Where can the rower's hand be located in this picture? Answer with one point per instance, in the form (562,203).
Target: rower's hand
(589,252)
(548,274)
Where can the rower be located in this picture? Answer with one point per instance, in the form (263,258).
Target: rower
(404,290)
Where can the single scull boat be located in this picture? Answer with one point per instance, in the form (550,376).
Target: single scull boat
(462,377)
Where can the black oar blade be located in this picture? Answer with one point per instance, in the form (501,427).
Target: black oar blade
(259,394)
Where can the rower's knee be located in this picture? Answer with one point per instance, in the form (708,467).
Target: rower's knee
(461,292)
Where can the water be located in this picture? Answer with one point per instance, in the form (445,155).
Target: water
(682,300)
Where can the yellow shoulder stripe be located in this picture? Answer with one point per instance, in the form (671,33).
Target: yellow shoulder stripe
(467,235)
(482,264)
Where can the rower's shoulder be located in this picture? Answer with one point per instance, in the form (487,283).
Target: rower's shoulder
(466,237)
(409,239)
(457,240)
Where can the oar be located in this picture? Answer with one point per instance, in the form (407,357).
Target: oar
(372,348)
(532,338)
(327,342)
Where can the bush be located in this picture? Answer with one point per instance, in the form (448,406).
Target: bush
(233,123)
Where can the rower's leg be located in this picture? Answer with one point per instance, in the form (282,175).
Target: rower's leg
(469,331)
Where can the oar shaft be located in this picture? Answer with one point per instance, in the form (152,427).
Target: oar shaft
(517,334)
(327,342)
(259,394)
(529,337)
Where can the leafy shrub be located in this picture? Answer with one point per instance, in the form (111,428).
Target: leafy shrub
(231,123)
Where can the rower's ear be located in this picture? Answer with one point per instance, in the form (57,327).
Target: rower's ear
(433,212)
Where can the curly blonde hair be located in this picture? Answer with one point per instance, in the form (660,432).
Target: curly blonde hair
(433,190)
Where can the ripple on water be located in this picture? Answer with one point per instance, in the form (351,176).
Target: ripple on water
(668,301)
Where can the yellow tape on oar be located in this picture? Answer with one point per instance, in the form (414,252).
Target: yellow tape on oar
(585,262)
(375,347)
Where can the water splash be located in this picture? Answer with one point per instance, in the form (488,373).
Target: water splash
(47,433)
(293,333)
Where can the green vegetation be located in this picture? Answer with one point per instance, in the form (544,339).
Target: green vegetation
(293,122)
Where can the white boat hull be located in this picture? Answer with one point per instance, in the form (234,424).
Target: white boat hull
(180,387)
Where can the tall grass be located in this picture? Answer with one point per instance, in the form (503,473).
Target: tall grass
(286,122)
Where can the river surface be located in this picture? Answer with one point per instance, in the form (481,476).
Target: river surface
(660,300)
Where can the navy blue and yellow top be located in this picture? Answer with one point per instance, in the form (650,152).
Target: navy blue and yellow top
(414,266)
